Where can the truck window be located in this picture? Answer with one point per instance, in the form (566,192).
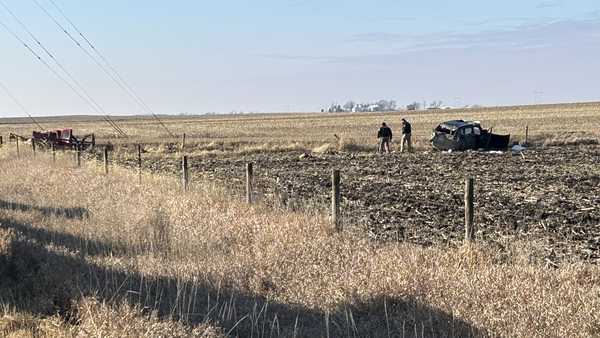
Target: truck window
(468,131)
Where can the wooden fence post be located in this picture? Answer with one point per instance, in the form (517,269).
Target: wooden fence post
(183,143)
(185,180)
(53,153)
(18,147)
(105,160)
(78,156)
(526,134)
(139,162)
(469,210)
(335,200)
(249,181)
(33,146)
(1,141)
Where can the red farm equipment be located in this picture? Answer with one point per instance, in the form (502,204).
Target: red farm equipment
(60,138)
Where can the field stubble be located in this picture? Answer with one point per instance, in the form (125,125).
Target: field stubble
(213,134)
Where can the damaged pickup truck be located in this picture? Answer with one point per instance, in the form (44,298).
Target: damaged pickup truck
(464,135)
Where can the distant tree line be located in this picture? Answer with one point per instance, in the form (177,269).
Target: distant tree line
(379,106)
(351,106)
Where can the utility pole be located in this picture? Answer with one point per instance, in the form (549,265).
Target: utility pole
(457,100)
(537,95)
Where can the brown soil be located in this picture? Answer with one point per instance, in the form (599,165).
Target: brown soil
(549,196)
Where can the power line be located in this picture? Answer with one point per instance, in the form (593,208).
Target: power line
(537,94)
(85,96)
(18,103)
(113,73)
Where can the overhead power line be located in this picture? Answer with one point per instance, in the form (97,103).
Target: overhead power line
(85,96)
(105,65)
(18,103)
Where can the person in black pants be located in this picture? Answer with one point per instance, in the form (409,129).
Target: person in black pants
(385,137)
(406,136)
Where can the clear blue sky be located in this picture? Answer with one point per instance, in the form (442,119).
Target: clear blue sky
(301,55)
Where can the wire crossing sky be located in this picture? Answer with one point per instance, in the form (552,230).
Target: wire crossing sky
(296,55)
(73,84)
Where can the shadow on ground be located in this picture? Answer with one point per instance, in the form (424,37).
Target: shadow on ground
(70,213)
(45,281)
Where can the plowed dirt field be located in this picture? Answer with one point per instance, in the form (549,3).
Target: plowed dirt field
(549,197)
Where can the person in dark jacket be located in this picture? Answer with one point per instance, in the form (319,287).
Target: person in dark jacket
(385,137)
(406,136)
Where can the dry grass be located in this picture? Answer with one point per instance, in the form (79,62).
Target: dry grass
(344,145)
(174,262)
(97,319)
(280,132)
(566,139)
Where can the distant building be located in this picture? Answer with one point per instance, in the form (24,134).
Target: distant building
(374,107)
(351,106)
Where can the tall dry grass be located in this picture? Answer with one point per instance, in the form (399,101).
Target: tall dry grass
(97,319)
(206,257)
(211,135)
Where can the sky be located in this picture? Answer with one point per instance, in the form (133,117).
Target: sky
(196,57)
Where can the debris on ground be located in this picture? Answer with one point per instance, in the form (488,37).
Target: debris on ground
(517,148)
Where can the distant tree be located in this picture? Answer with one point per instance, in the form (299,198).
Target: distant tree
(393,105)
(435,104)
(335,108)
(386,105)
(383,104)
(413,106)
(348,106)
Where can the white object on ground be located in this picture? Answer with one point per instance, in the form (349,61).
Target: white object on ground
(518,148)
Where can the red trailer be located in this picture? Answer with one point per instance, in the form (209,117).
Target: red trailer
(60,138)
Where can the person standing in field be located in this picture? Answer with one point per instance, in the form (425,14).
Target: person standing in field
(385,137)
(406,136)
